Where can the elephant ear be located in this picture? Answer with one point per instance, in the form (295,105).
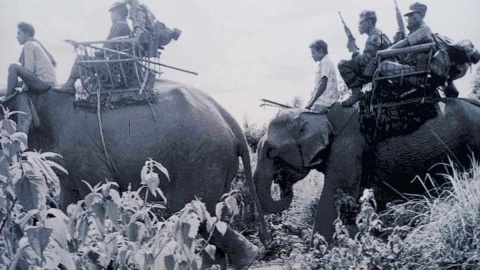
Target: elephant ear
(297,136)
(314,136)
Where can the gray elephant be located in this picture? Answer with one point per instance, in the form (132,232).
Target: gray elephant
(298,141)
(184,129)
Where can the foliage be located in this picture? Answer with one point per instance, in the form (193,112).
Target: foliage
(476,85)
(105,229)
(253,133)
(440,230)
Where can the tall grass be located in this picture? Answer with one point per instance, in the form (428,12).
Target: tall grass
(444,230)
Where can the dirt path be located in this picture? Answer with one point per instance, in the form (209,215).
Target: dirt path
(291,229)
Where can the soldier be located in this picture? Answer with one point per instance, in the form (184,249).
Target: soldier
(325,92)
(118,14)
(359,71)
(37,72)
(148,31)
(419,34)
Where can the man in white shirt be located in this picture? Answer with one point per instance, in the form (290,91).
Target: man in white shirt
(37,71)
(325,92)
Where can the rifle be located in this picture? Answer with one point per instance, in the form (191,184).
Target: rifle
(267,102)
(401,25)
(347,31)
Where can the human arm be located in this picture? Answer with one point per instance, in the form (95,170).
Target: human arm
(421,35)
(319,90)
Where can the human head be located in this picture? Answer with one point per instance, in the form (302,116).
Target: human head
(319,49)
(367,21)
(118,11)
(415,14)
(25,31)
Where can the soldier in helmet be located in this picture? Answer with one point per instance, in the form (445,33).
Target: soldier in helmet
(118,14)
(359,70)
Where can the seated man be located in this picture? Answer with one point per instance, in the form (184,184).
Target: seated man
(359,70)
(120,28)
(419,34)
(148,31)
(37,72)
(325,92)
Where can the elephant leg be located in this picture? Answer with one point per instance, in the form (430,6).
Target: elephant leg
(326,212)
(240,252)
(343,173)
(220,259)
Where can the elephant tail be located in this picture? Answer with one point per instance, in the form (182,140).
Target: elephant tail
(245,156)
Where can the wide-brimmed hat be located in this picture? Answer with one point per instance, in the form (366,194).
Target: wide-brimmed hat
(417,7)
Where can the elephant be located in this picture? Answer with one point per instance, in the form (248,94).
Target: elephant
(298,141)
(184,129)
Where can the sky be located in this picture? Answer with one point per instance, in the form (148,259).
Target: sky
(243,50)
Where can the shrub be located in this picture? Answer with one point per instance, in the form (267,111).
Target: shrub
(104,230)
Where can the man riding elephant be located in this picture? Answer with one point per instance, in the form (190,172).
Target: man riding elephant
(326,91)
(37,71)
(359,70)
(149,32)
(118,14)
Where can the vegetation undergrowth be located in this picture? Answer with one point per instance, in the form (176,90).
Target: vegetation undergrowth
(105,230)
(440,230)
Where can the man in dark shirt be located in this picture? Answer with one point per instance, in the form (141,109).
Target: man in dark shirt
(359,70)
(120,28)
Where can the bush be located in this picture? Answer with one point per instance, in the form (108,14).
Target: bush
(104,230)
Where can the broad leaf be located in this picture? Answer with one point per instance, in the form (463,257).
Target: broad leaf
(59,230)
(232,205)
(99,211)
(211,249)
(166,260)
(221,227)
(112,211)
(219,210)
(7,127)
(21,138)
(4,168)
(31,192)
(38,238)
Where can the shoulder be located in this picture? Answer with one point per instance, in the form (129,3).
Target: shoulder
(30,45)
(375,38)
(326,64)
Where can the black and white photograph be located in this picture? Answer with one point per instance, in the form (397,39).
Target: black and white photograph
(235,135)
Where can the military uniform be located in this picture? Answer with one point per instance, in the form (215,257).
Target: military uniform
(419,34)
(359,70)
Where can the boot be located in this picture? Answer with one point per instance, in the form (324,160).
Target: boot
(68,87)
(451,90)
(356,96)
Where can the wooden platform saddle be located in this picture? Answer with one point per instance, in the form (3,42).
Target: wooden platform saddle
(114,74)
(404,91)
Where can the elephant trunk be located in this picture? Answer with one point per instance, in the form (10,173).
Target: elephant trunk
(263,178)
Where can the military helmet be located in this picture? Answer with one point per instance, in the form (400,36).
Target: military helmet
(368,15)
(417,7)
(118,5)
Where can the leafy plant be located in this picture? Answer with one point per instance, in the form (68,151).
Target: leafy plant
(104,230)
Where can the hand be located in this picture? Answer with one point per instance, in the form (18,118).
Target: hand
(398,36)
(308,107)
(352,46)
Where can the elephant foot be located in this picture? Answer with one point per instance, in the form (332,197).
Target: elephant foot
(244,257)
